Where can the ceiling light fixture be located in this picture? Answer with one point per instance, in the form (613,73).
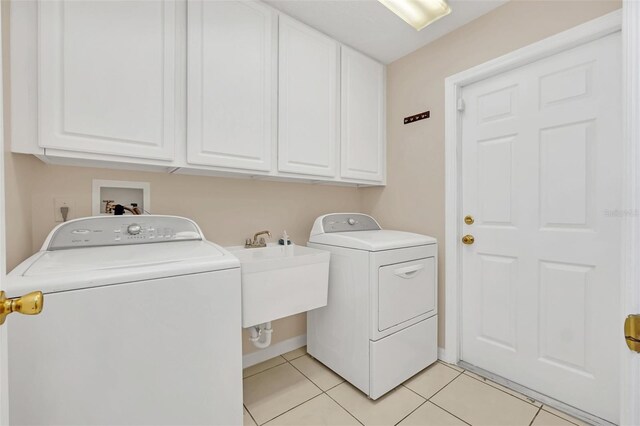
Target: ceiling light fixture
(418,13)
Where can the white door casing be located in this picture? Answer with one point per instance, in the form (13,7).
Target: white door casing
(108,89)
(308,101)
(541,174)
(232,64)
(630,282)
(4,369)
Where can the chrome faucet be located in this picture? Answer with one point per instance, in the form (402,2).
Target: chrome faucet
(256,243)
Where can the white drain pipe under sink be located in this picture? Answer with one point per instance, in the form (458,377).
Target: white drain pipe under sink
(261,335)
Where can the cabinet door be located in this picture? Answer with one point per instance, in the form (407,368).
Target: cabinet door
(107,77)
(231,84)
(308,101)
(363,117)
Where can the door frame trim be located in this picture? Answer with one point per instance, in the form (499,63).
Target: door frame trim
(4,382)
(630,284)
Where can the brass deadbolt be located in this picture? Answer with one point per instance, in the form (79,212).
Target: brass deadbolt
(468,220)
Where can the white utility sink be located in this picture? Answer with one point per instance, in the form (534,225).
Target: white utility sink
(279,281)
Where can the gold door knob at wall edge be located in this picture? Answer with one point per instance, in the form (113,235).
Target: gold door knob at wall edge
(29,304)
(468,239)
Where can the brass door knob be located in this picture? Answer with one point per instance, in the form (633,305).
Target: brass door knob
(29,304)
(468,239)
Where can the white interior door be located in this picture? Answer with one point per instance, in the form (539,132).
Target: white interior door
(541,175)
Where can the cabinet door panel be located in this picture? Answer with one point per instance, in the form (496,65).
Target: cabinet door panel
(363,116)
(308,100)
(231,84)
(107,77)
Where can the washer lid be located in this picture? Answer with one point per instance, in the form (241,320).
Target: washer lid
(372,240)
(62,270)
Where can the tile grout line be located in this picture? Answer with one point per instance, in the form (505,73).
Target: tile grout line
(448,383)
(411,390)
(441,389)
(449,412)
(429,399)
(292,408)
(249,413)
(335,386)
(535,416)
(305,376)
(412,411)
(449,366)
(266,369)
(309,378)
(325,392)
(304,402)
(286,361)
(340,405)
(526,398)
(322,392)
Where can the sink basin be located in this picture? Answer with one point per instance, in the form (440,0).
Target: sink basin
(279,281)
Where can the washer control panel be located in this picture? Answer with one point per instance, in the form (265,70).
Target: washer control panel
(343,222)
(122,230)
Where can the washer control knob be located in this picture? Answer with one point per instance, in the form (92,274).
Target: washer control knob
(351,221)
(134,229)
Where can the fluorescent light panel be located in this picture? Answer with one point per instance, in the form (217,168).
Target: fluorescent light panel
(418,13)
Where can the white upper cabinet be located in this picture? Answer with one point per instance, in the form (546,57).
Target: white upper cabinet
(107,77)
(362,117)
(308,105)
(215,87)
(231,80)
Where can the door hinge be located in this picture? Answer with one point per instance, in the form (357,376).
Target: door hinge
(632,332)
(460,104)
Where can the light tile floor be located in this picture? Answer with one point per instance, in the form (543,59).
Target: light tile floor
(295,389)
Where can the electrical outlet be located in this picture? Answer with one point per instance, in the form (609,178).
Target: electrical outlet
(58,203)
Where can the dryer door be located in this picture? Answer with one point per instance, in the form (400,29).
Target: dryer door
(406,291)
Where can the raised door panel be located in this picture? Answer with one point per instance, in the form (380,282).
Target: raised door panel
(107,77)
(362,117)
(308,101)
(231,84)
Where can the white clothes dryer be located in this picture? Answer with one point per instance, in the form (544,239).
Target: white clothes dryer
(379,327)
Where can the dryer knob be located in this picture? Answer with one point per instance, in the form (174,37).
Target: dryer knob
(351,221)
(134,229)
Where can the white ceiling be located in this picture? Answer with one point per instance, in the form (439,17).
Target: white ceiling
(368,26)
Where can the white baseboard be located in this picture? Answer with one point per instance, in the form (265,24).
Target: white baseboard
(443,355)
(274,350)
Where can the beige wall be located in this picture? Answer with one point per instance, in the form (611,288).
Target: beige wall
(229,210)
(413,199)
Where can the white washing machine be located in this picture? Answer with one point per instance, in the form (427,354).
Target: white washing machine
(379,327)
(140,325)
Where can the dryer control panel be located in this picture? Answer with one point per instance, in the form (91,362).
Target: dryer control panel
(344,222)
(121,230)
